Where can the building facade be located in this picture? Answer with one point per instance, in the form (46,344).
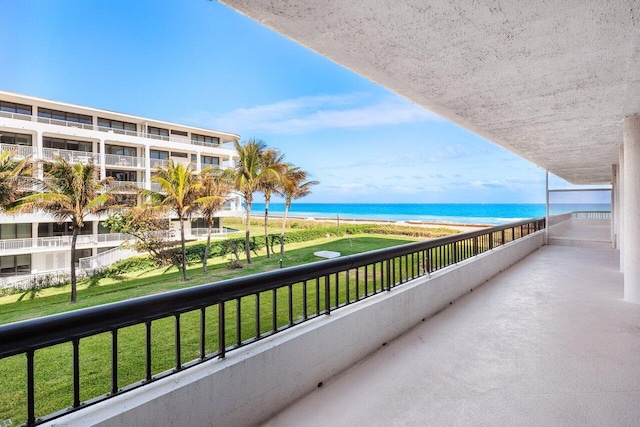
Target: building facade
(126,148)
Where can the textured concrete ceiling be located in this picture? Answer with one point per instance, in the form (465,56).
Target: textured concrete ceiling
(548,80)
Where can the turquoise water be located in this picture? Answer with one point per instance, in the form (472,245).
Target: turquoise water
(446,213)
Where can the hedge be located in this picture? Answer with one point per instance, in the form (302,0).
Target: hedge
(195,252)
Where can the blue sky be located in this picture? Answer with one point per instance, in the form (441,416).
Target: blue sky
(198,62)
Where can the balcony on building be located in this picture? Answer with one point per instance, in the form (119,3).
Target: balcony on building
(117,125)
(394,336)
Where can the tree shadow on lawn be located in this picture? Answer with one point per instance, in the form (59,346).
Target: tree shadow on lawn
(30,294)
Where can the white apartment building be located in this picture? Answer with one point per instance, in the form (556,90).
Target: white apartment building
(125,147)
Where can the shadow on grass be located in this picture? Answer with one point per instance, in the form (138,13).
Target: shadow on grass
(93,282)
(29,295)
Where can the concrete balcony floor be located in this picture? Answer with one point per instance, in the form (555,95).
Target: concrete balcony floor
(549,341)
(595,233)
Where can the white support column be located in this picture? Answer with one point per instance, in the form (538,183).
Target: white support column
(198,161)
(631,231)
(94,230)
(103,161)
(547,225)
(39,154)
(621,206)
(614,205)
(34,234)
(147,164)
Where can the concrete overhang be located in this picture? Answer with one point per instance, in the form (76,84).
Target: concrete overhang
(548,80)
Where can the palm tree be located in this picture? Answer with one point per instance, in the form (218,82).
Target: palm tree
(268,185)
(179,189)
(11,170)
(70,192)
(250,171)
(292,186)
(216,186)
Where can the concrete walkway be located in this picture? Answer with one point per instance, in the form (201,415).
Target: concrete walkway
(548,342)
(594,233)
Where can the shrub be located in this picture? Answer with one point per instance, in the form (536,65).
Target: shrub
(135,263)
(233,264)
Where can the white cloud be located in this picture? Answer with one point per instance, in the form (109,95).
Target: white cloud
(308,114)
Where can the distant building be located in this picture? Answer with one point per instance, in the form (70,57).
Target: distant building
(126,148)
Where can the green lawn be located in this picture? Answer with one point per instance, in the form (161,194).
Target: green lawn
(53,366)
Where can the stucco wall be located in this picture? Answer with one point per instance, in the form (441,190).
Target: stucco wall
(256,382)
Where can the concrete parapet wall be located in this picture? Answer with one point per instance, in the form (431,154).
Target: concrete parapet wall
(254,383)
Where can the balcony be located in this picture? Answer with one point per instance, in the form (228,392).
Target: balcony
(76,125)
(44,244)
(329,288)
(70,156)
(126,186)
(124,161)
(21,150)
(548,341)
(206,144)
(161,163)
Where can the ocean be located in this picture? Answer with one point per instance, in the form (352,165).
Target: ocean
(491,214)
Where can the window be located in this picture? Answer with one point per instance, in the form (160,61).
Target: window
(181,155)
(12,107)
(15,231)
(53,229)
(201,223)
(63,115)
(121,151)
(15,138)
(102,229)
(156,154)
(151,130)
(67,144)
(205,139)
(122,175)
(212,161)
(116,124)
(15,264)
(82,253)
(178,132)
(158,157)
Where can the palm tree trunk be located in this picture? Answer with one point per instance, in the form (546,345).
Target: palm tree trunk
(266,221)
(184,250)
(74,237)
(284,221)
(206,248)
(247,250)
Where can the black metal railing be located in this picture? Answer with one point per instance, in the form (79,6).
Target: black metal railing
(106,350)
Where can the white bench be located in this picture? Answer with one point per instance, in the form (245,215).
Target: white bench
(327,254)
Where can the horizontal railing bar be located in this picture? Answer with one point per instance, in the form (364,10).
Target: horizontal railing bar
(570,190)
(16,338)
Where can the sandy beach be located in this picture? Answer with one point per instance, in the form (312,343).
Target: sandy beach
(454,226)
